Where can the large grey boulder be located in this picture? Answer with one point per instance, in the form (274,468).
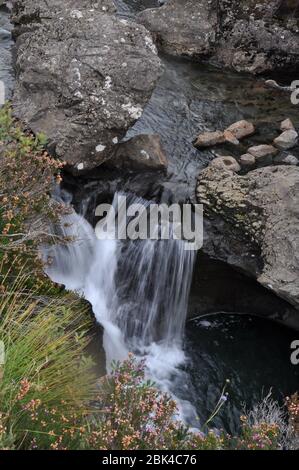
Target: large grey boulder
(83,78)
(255,36)
(259,212)
(29,14)
(183,27)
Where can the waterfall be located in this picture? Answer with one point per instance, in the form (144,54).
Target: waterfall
(138,291)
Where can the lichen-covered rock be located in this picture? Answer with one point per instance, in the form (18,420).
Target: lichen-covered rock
(183,27)
(255,36)
(29,14)
(261,211)
(83,78)
(259,46)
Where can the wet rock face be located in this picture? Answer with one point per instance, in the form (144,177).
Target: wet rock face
(255,36)
(83,78)
(143,152)
(183,27)
(259,211)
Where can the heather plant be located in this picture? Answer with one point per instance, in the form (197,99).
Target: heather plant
(136,415)
(27,176)
(293,409)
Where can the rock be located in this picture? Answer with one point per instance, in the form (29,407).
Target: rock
(83,78)
(257,37)
(230,137)
(232,134)
(287,125)
(226,163)
(291,160)
(28,15)
(258,45)
(247,161)
(241,129)
(254,36)
(263,153)
(183,27)
(286,140)
(208,139)
(143,152)
(259,211)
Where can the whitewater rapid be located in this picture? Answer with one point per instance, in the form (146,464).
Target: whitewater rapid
(138,291)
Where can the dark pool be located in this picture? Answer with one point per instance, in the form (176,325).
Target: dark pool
(254,354)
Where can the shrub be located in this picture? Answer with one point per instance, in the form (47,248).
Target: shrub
(27,175)
(135,415)
(293,409)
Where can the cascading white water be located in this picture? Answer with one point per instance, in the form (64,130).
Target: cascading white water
(138,291)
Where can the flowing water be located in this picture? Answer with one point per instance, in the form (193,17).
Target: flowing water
(138,291)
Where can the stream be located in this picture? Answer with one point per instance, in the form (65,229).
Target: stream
(139,291)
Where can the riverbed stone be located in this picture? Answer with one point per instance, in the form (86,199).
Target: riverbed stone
(241,129)
(291,160)
(230,138)
(287,125)
(84,79)
(287,140)
(263,153)
(208,139)
(227,163)
(247,161)
(259,211)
